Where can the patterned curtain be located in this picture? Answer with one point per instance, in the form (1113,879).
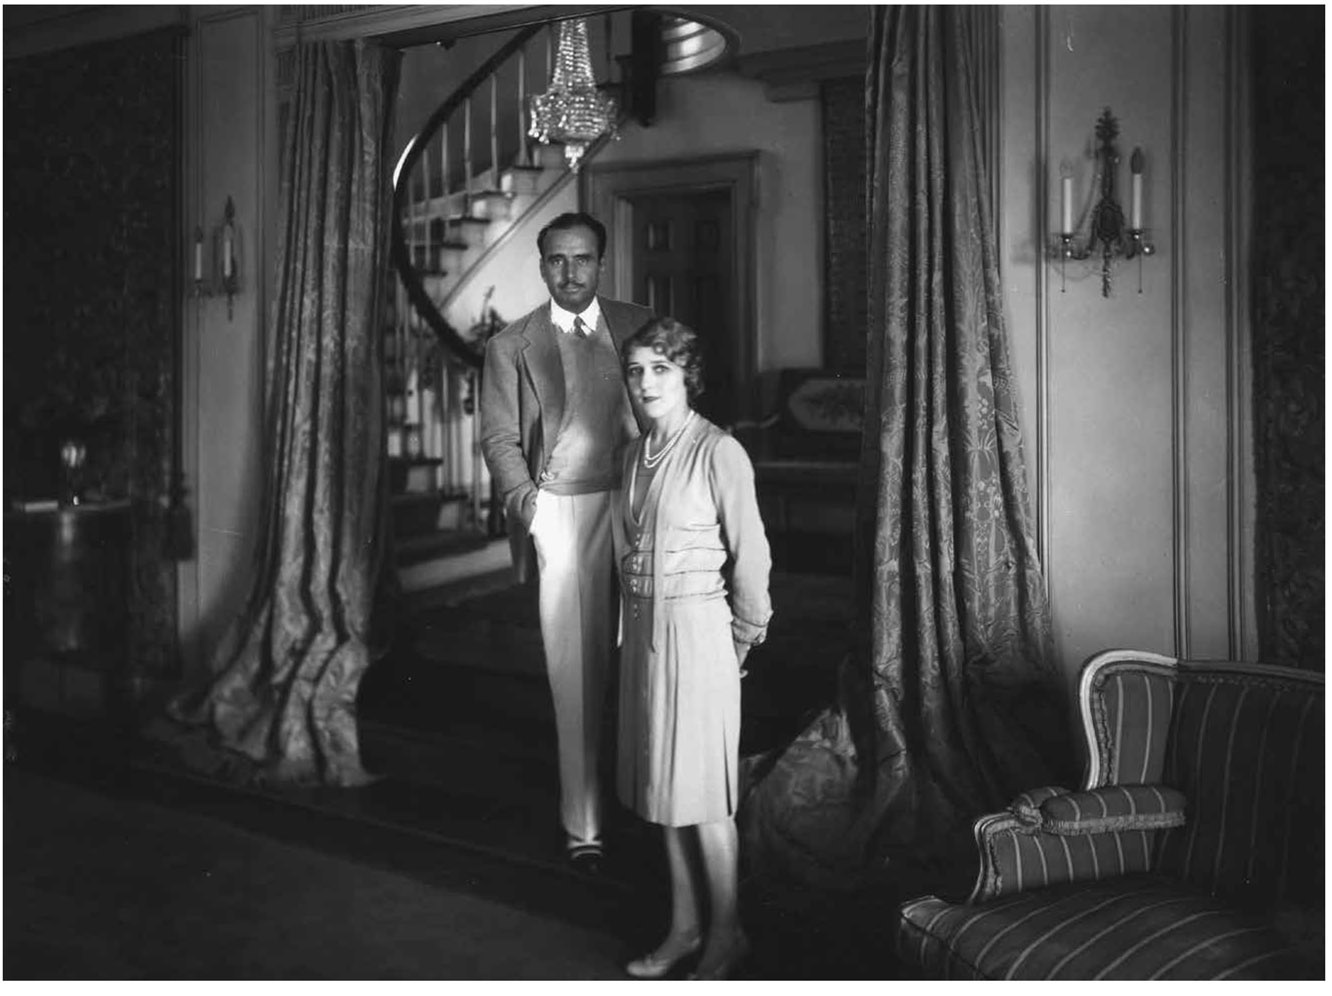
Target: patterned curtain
(281,708)
(952,704)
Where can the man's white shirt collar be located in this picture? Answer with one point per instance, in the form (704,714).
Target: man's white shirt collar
(563,320)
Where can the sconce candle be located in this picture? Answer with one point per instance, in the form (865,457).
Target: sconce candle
(230,283)
(198,255)
(1066,206)
(1135,209)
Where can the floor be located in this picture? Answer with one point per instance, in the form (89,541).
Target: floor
(128,883)
(462,824)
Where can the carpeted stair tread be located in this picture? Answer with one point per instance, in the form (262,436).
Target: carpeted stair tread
(409,550)
(469,758)
(428,695)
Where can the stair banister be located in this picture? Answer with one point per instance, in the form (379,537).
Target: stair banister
(411,281)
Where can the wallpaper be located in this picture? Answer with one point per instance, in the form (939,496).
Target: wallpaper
(1288,332)
(91,200)
(845,232)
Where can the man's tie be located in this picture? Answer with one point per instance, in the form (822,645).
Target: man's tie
(578,326)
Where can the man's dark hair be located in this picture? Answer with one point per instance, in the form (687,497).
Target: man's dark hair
(573,219)
(678,343)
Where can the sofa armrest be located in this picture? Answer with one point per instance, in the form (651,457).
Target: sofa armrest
(1114,807)
(1020,848)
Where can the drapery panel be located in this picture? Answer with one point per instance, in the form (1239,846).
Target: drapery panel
(952,702)
(283,699)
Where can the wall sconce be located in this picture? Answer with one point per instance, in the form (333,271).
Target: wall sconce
(1105,234)
(225,274)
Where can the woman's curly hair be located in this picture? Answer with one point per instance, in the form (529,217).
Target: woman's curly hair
(678,343)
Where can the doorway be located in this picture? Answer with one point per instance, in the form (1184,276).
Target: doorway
(681,238)
(681,267)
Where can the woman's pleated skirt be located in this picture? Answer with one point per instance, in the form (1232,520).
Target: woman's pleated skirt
(679,715)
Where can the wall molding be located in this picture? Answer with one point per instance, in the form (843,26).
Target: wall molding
(1239,532)
(1179,450)
(405,25)
(38,30)
(1043,483)
(795,73)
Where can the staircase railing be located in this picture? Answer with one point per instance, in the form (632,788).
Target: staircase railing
(417,152)
(449,218)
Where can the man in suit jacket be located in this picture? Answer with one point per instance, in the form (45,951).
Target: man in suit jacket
(554,415)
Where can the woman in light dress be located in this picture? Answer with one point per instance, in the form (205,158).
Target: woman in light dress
(693,564)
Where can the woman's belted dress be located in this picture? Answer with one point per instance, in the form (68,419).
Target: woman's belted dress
(693,568)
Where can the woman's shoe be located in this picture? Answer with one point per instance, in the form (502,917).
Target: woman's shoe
(650,966)
(725,968)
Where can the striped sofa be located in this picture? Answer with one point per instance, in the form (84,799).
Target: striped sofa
(1193,851)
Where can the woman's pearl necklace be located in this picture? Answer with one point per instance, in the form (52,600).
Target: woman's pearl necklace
(649,461)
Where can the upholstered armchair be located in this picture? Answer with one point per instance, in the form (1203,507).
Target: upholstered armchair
(1194,849)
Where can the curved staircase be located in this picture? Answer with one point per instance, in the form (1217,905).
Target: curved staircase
(462,188)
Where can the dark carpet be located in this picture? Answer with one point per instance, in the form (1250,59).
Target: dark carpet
(100,887)
(124,862)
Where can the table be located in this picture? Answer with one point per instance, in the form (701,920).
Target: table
(67,605)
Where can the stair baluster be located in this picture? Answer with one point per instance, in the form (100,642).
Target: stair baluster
(494,129)
(522,159)
(444,162)
(467,149)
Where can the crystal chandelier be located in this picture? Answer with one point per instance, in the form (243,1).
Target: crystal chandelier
(572,110)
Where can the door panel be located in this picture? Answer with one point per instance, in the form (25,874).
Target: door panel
(682,267)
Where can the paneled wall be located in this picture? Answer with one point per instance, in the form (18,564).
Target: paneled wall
(230,153)
(1136,410)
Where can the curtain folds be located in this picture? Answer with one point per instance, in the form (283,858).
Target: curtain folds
(952,703)
(280,706)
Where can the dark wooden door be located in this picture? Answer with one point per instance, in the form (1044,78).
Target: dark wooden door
(682,267)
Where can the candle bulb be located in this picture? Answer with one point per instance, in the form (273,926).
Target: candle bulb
(1066,206)
(1135,208)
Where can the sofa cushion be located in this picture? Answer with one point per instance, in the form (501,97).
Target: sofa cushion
(1115,807)
(1139,927)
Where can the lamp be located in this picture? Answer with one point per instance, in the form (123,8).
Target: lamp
(1106,233)
(73,454)
(572,110)
(225,277)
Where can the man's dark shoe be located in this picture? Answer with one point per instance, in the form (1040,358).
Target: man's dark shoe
(586,859)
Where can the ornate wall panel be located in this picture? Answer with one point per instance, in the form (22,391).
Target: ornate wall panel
(1134,402)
